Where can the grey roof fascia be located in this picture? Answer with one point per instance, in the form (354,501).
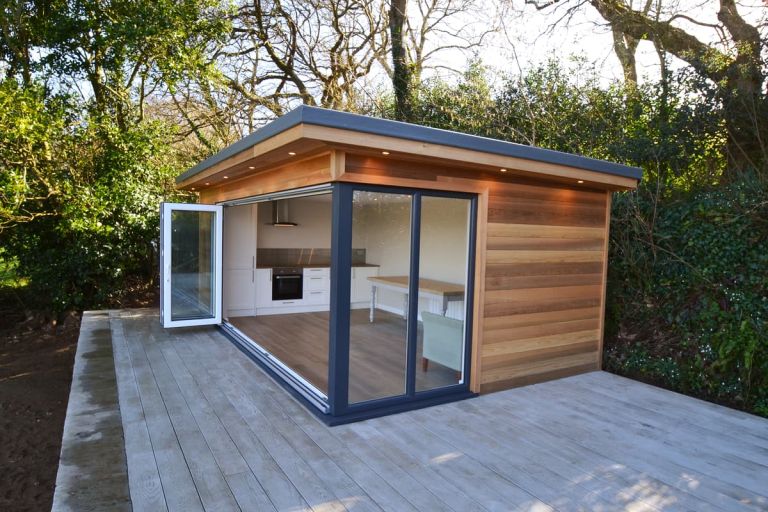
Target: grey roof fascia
(377,126)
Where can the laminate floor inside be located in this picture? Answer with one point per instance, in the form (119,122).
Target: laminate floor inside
(377,351)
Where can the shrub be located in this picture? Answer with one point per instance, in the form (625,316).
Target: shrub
(80,199)
(688,291)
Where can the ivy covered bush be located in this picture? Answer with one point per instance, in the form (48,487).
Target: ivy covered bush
(687,300)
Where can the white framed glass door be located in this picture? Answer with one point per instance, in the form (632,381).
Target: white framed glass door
(190,264)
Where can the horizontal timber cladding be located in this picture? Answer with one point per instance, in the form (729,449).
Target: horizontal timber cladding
(540,300)
(545,255)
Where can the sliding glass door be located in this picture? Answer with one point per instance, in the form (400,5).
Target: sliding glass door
(403,296)
(442,296)
(378,334)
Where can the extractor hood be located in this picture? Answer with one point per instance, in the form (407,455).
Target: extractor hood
(280,214)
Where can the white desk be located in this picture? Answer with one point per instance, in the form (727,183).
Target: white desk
(445,292)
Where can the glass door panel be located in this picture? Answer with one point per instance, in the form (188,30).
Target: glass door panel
(191,264)
(443,253)
(378,337)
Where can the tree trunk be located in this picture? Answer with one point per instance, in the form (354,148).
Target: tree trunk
(401,74)
(739,80)
(625,46)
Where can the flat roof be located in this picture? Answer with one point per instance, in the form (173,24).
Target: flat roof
(377,126)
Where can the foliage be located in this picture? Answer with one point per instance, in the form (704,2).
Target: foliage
(676,137)
(9,277)
(33,131)
(81,180)
(689,260)
(730,56)
(688,291)
(89,216)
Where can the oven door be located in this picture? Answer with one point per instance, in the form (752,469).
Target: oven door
(287,286)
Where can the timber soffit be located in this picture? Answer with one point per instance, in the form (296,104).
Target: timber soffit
(376,126)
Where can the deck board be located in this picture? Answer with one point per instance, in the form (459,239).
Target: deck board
(204,428)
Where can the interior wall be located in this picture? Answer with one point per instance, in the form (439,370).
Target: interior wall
(313,216)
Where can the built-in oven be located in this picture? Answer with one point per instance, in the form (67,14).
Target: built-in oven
(287,283)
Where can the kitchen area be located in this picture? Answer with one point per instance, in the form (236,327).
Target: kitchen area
(277,289)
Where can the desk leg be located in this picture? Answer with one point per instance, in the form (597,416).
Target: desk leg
(373,303)
(445,305)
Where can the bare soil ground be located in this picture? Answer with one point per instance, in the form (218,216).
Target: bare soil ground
(36,358)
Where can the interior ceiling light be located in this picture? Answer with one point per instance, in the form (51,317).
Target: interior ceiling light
(385,152)
(580,181)
(292,153)
(251,167)
(193,188)
(207,183)
(503,170)
(226,177)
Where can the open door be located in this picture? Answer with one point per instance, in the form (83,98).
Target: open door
(190,264)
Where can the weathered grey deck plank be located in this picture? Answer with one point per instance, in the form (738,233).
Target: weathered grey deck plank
(720,421)
(276,403)
(634,451)
(93,472)
(383,496)
(206,429)
(520,465)
(475,479)
(669,422)
(744,462)
(277,486)
(209,480)
(178,485)
(621,483)
(333,477)
(731,479)
(144,480)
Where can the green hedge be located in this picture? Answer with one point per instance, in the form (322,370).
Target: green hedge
(688,292)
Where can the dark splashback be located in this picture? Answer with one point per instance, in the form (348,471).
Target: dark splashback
(299,257)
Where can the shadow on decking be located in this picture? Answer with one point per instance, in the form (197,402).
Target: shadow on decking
(206,429)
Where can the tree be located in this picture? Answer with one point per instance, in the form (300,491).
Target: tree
(20,24)
(401,72)
(33,145)
(123,49)
(315,51)
(424,30)
(735,68)
(625,48)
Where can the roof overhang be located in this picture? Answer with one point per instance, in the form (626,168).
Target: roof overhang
(308,131)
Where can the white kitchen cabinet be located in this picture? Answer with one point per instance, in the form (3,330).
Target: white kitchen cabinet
(317,286)
(263,287)
(239,260)
(360,292)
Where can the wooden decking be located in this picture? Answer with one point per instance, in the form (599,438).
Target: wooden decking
(205,429)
